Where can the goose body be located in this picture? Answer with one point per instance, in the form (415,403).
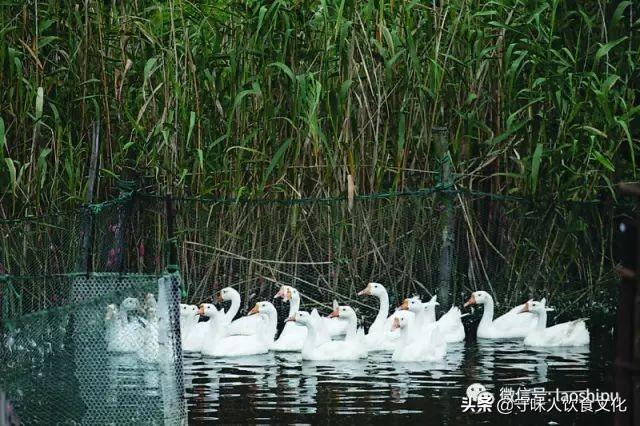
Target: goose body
(243,326)
(220,344)
(149,346)
(429,345)
(193,332)
(572,333)
(380,337)
(292,337)
(123,333)
(318,347)
(508,326)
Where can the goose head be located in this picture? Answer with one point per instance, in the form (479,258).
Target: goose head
(478,298)
(130,304)
(301,317)
(430,306)
(150,301)
(535,307)
(412,304)
(207,310)
(187,311)
(287,293)
(400,320)
(373,289)
(227,293)
(344,313)
(264,308)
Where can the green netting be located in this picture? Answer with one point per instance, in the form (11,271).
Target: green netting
(55,343)
(78,363)
(329,249)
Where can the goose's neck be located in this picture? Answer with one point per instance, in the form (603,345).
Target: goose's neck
(542,321)
(383,312)
(430,316)
(271,325)
(294,306)
(352,326)
(310,341)
(123,316)
(405,332)
(487,315)
(234,308)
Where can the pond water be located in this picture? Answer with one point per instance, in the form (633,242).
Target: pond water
(84,384)
(281,388)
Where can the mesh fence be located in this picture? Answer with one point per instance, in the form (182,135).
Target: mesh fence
(413,243)
(79,326)
(108,353)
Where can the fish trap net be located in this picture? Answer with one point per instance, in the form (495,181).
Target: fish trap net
(105,350)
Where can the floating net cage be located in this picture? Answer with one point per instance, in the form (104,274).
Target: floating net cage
(108,352)
(65,279)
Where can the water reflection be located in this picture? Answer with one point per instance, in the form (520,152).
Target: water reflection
(282,387)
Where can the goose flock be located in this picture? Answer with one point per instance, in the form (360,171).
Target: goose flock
(410,333)
(132,327)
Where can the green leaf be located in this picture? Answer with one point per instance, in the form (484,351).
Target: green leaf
(597,155)
(39,103)
(535,166)
(192,122)
(285,69)
(149,67)
(12,172)
(42,165)
(605,48)
(275,160)
(617,14)
(2,137)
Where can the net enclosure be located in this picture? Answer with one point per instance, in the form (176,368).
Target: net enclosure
(90,297)
(107,351)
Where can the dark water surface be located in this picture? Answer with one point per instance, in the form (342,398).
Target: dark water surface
(281,388)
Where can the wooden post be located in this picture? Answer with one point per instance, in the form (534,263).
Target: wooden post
(627,365)
(85,260)
(172,249)
(445,265)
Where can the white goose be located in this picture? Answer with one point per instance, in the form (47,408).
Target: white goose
(572,333)
(318,347)
(220,344)
(380,337)
(508,326)
(426,346)
(244,326)
(293,335)
(123,334)
(148,347)
(192,331)
(449,324)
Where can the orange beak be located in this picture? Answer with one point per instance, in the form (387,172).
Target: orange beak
(219,298)
(334,314)
(471,301)
(290,319)
(367,290)
(201,310)
(396,323)
(405,305)
(254,310)
(279,294)
(525,308)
